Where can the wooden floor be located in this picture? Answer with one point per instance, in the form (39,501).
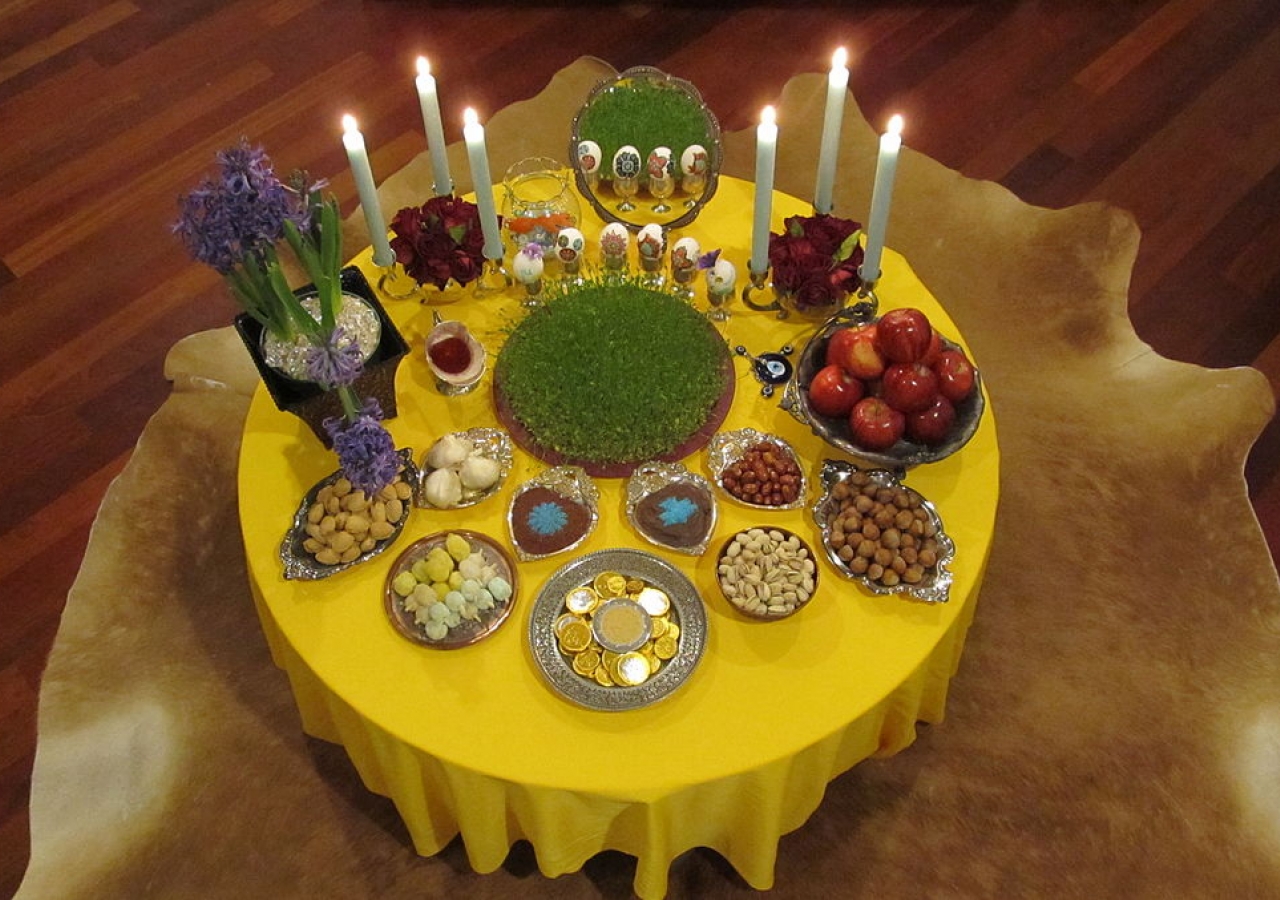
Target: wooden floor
(110,108)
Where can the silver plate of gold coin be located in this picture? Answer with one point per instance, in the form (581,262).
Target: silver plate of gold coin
(617,629)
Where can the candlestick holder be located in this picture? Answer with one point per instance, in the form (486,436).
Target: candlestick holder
(866,304)
(494,279)
(758,284)
(395,283)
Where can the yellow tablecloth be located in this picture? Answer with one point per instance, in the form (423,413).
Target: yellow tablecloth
(473,741)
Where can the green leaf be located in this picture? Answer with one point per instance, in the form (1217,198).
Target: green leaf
(846,249)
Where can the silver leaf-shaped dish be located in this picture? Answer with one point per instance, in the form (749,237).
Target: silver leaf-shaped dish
(302,566)
(492,443)
(935,587)
(650,478)
(727,447)
(571,483)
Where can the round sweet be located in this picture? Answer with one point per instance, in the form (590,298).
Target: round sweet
(610,375)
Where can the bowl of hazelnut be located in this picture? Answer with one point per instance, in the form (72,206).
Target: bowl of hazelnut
(883,534)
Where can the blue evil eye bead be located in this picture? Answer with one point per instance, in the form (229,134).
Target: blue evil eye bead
(589,157)
(626,162)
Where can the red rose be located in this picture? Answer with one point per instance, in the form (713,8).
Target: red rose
(439,241)
(816,259)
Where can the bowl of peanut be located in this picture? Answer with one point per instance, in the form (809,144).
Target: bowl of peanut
(767,573)
(883,534)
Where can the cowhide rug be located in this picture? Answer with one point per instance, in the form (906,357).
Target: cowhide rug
(1114,729)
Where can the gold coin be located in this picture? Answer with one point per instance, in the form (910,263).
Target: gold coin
(617,585)
(655,601)
(581,600)
(633,669)
(601,583)
(602,677)
(673,631)
(634,586)
(658,627)
(575,636)
(654,663)
(585,663)
(608,657)
(562,620)
(665,647)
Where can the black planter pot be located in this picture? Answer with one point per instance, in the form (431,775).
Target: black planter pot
(308,401)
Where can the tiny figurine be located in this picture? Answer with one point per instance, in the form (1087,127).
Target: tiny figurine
(662,181)
(626,176)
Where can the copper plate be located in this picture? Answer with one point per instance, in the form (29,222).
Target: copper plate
(468,632)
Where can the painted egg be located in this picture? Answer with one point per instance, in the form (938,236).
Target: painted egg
(589,157)
(569,244)
(693,161)
(721,276)
(659,162)
(614,238)
(651,240)
(626,162)
(527,267)
(684,252)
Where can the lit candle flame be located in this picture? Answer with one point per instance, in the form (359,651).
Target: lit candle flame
(349,123)
(469,117)
(895,124)
(768,116)
(424,67)
(839,58)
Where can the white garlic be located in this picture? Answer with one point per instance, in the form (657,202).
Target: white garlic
(450,450)
(478,473)
(443,488)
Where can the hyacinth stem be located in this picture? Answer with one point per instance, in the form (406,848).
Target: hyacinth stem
(350,402)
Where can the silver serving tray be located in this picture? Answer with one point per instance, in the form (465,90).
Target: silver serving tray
(653,476)
(835,431)
(549,604)
(936,588)
(302,566)
(570,482)
(727,447)
(491,442)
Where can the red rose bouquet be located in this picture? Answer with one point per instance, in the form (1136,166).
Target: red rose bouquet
(439,240)
(815,260)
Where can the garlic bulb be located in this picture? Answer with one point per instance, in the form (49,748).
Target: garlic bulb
(450,450)
(443,488)
(478,473)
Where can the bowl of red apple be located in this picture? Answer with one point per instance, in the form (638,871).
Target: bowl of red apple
(892,391)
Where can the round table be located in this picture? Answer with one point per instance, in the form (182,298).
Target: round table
(474,742)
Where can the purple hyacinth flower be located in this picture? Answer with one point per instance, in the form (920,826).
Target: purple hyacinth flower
(336,363)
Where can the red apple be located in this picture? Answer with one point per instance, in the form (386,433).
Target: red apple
(932,425)
(875,424)
(833,391)
(861,358)
(903,335)
(955,375)
(838,345)
(909,387)
(935,349)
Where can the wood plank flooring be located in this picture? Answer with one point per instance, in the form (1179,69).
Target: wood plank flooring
(108,110)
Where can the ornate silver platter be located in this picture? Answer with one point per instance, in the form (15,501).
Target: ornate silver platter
(728,447)
(651,477)
(629,116)
(491,443)
(903,454)
(686,610)
(570,482)
(479,620)
(935,585)
(301,565)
